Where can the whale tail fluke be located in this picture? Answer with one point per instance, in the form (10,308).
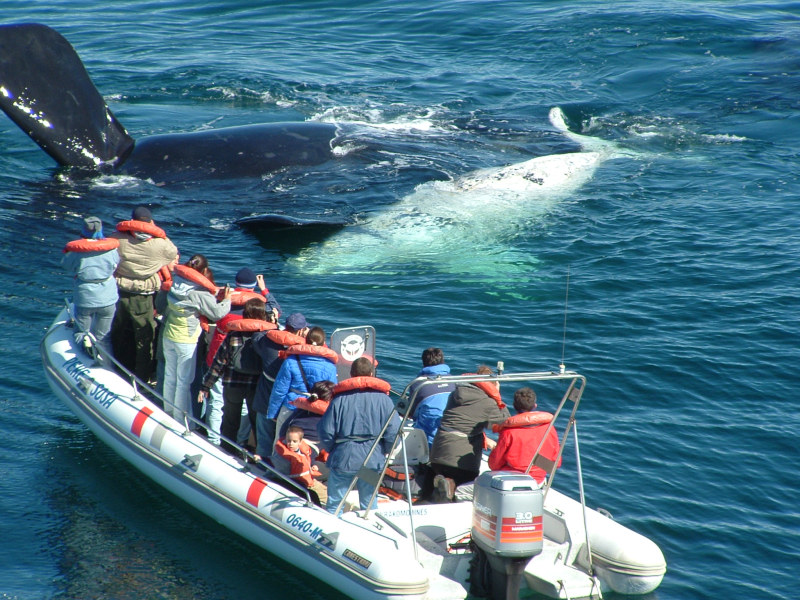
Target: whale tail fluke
(46,91)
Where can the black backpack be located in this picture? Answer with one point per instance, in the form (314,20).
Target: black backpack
(245,359)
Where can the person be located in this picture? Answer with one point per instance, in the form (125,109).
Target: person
(191,296)
(300,457)
(431,399)
(269,345)
(522,435)
(246,281)
(309,410)
(91,261)
(357,413)
(305,364)
(145,252)
(239,380)
(457,449)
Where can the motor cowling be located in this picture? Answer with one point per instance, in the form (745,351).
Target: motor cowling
(506,528)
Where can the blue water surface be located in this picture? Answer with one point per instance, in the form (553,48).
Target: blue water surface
(681,251)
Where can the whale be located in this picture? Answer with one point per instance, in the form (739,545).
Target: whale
(467,225)
(46,90)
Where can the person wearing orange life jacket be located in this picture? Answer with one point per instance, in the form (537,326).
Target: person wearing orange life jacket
(145,252)
(239,380)
(299,455)
(458,446)
(270,346)
(348,429)
(305,364)
(91,261)
(520,436)
(246,281)
(191,296)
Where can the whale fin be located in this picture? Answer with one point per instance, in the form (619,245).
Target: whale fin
(46,91)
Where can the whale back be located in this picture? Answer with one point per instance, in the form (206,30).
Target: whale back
(46,91)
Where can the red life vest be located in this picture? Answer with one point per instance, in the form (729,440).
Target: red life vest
(87,245)
(526,419)
(490,389)
(363,382)
(250,325)
(299,462)
(134,226)
(318,406)
(285,338)
(195,277)
(166,278)
(309,350)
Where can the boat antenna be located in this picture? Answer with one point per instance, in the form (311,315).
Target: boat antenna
(561,366)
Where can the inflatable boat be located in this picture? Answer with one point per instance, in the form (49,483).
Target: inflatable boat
(524,538)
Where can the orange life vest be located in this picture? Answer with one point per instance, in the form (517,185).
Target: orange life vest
(309,350)
(299,462)
(134,226)
(526,419)
(490,389)
(285,338)
(195,277)
(363,382)
(87,245)
(249,325)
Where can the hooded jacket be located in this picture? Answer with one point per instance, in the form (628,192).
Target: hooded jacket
(186,301)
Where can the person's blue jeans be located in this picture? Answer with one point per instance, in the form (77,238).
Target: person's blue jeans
(265,435)
(338,482)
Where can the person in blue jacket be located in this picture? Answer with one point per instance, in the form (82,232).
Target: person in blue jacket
(305,364)
(431,399)
(348,429)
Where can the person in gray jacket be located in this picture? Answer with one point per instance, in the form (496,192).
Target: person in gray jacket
(458,446)
(191,296)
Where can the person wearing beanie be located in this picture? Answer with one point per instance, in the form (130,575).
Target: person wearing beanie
(94,291)
(246,279)
(144,250)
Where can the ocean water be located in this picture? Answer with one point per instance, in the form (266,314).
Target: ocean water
(666,271)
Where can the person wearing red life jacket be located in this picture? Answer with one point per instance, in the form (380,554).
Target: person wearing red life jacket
(246,282)
(300,457)
(239,380)
(145,252)
(458,446)
(305,364)
(91,261)
(192,296)
(521,435)
(270,346)
(348,429)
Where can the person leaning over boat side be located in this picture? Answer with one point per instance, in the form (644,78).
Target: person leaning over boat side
(459,443)
(305,364)
(91,261)
(269,346)
(191,296)
(520,436)
(238,386)
(431,399)
(246,281)
(353,421)
(144,251)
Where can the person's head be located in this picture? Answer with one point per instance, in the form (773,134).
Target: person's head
(524,400)
(294,435)
(142,213)
(246,278)
(199,263)
(323,389)
(295,322)
(362,367)
(432,357)
(92,228)
(316,336)
(254,308)
(485,370)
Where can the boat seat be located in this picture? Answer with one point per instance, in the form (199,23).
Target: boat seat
(417,449)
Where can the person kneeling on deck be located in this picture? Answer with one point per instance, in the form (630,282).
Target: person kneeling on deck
(521,435)
(300,457)
(348,429)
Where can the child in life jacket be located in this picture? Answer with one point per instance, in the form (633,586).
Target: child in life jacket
(294,449)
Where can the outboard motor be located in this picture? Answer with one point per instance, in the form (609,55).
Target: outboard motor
(506,532)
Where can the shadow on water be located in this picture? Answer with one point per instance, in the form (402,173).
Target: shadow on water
(121,536)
